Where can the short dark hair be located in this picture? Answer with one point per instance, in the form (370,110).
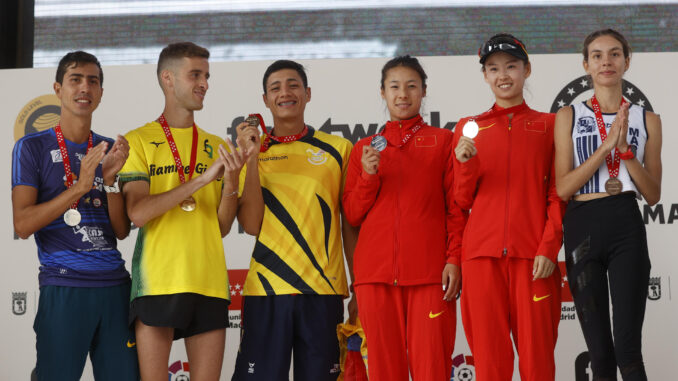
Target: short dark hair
(180,50)
(606,32)
(406,61)
(285,64)
(74,59)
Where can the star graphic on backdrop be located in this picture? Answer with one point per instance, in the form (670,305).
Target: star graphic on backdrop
(233,293)
(584,83)
(570,91)
(641,103)
(237,286)
(629,91)
(561,103)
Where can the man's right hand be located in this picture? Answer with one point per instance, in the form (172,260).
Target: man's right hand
(248,139)
(88,167)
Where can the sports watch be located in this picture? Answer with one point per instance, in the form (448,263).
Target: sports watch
(114,188)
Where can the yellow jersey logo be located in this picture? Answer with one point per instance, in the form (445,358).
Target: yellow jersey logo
(316,158)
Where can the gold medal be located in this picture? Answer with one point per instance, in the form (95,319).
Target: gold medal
(613,186)
(188,205)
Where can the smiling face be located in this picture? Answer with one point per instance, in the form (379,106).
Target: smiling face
(403,92)
(80,91)
(606,63)
(506,76)
(185,82)
(286,95)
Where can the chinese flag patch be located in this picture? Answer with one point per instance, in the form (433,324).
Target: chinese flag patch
(425,141)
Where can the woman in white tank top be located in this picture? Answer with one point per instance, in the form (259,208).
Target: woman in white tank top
(607,154)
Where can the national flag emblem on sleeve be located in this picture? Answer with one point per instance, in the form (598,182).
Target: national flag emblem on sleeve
(425,141)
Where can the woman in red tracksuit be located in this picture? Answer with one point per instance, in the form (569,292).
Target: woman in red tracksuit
(505,175)
(410,235)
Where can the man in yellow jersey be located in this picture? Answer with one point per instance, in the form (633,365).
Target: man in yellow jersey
(297,281)
(181,190)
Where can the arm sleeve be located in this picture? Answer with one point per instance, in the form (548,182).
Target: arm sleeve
(25,169)
(466,174)
(552,238)
(455,217)
(136,166)
(360,189)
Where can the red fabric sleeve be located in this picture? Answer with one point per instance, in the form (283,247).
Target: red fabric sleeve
(455,218)
(465,174)
(552,238)
(360,189)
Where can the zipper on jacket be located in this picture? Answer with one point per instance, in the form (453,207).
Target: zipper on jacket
(508,179)
(397,218)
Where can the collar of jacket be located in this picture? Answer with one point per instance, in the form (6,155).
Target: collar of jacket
(395,130)
(497,110)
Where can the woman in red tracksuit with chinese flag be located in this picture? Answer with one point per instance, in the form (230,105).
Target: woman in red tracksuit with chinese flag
(399,190)
(505,175)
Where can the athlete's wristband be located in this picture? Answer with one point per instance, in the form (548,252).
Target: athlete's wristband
(231,194)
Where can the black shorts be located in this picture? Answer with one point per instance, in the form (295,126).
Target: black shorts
(276,327)
(189,314)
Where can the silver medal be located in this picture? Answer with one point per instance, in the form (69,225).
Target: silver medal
(470,129)
(72,217)
(379,143)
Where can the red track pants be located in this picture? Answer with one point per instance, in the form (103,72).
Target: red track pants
(407,325)
(498,298)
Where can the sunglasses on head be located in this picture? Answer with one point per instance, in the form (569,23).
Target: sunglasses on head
(490,47)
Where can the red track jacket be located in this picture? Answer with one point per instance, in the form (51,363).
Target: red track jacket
(510,185)
(410,225)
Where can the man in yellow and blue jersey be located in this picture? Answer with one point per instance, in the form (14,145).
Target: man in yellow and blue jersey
(294,291)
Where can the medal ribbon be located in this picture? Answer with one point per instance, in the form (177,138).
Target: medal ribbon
(175,152)
(419,124)
(612,159)
(280,139)
(66,160)
(497,113)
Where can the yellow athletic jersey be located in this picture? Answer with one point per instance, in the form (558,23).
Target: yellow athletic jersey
(299,248)
(178,251)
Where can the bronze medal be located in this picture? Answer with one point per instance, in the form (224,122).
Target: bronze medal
(252,120)
(188,205)
(613,186)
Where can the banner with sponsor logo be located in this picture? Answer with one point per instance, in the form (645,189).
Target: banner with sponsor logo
(345,101)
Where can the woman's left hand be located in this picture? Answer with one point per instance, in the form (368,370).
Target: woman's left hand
(542,268)
(451,281)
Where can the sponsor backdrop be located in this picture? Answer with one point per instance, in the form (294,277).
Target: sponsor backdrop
(345,101)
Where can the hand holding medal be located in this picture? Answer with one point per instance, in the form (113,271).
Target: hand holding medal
(248,133)
(466,147)
(372,155)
